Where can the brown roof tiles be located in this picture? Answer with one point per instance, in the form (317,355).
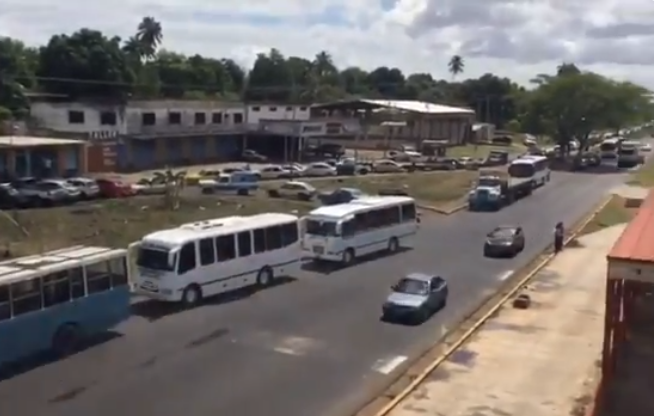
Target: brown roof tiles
(637,240)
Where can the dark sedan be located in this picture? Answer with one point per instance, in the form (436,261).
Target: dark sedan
(503,241)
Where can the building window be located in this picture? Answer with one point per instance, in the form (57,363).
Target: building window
(303,109)
(108,118)
(289,108)
(200,118)
(272,109)
(217,118)
(238,118)
(148,119)
(256,109)
(174,117)
(75,117)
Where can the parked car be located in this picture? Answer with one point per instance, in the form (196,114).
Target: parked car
(416,297)
(387,166)
(295,190)
(251,156)
(505,240)
(320,169)
(240,183)
(350,166)
(114,188)
(40,194)
(89,188)
(274,172)
(296,170)
(11,198)
(339,196)
(71,193)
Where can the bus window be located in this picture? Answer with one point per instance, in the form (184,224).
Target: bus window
(56,289)
(259,241)
(5,307)
(118,269)
(207,252)
(521,170)
(225,247)
(98,277)
(77,288)
(244,244)
(26,296)
(186,258)
(273,237)
(290,234)
(408,212)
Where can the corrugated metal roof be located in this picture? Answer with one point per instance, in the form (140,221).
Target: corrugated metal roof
(418,107)
(637,241)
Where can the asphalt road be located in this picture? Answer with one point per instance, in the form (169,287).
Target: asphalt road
(308,347)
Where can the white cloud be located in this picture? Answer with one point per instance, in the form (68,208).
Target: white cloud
(514,38)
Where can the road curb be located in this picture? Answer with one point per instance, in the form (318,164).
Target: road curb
(533,271)
(443,211)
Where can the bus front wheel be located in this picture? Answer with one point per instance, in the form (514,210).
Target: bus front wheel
(265,277)
(348,256)
(66,340)
(192,296)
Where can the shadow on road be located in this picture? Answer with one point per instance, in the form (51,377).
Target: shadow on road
(328,267)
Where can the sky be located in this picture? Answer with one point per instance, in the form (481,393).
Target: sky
(517,39)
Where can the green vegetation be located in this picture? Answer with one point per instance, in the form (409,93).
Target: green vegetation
(614,213)
(644,176)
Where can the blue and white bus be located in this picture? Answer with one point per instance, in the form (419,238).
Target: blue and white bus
(54,301)
(530,168)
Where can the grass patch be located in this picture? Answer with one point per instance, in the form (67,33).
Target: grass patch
(644,176)
(614,213)
(433,188)
(482,150)
(117,223)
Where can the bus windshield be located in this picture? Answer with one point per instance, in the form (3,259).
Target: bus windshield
(321,228)
(522,170)
(154,259)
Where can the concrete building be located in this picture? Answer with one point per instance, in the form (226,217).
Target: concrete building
(38,156)
(381,121)
(150,134)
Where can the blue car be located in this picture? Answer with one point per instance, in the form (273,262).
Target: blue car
(416,297)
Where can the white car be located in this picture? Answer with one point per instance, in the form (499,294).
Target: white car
(88,187)
(646,147)
(387,166)
(149,187)
(320,169)
(274,172)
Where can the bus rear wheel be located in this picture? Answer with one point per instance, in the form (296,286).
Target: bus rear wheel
(348,256)
(66,340)
(192,296)
(393,245)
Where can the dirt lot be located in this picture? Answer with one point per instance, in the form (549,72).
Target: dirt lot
(644,176)
(615,212)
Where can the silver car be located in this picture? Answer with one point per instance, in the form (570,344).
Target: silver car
(88,188)
(60,187)
(415,297)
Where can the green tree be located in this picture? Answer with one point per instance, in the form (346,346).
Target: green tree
(149,35)
(456,66)
(85,64)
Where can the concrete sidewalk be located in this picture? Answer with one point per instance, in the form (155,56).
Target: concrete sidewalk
(529,362)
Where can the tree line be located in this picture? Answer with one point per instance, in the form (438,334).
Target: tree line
(89,64)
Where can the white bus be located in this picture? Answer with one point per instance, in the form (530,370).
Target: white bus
(529,169)
(629,154)
(206,258)
(366,225)
(609,148)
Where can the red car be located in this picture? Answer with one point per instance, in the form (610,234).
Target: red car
(114,188)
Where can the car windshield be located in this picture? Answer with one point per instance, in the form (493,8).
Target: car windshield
(412,287)
(322,228)
(154,259)
(502,233)
(488,182)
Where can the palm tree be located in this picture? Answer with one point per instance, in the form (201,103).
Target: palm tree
(174,182)
(149,34)
(456,65)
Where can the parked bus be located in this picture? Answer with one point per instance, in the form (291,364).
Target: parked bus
(57,299)
(629,154)
(206,258)
(342,232)
(533,169)
(609,148)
